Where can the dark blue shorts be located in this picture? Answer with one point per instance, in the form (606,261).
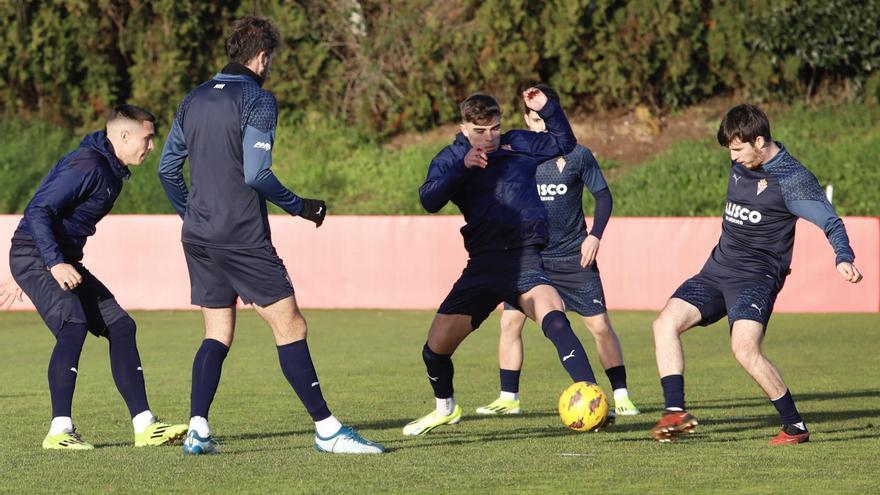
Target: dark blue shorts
(739,299)
(219,276)
(492,278)
(91,303)
(579,287)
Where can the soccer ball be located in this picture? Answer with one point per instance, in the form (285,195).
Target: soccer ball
(583,406)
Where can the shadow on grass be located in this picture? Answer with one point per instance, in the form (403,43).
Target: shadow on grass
(798,397)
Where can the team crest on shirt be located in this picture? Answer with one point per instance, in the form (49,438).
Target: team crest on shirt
(507,147)
(762,184)
(560,163)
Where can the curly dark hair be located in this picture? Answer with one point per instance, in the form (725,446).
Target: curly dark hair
(250,36)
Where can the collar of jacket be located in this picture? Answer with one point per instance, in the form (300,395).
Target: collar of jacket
(237,69)
(98,141)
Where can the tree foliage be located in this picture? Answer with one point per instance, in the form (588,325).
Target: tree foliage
(391,66)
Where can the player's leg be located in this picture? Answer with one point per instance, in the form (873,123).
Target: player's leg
(61,311)
(106,318)
(211,290)
(698,301)
(543,304)
(446,333)
(749,317)
(510,359)
(611,357)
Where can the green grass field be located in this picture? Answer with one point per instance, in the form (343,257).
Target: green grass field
(371,373)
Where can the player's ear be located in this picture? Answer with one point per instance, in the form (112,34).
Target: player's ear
(463,129)
(760,142)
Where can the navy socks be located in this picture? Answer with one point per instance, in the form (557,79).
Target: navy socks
(617,376)
(206,376)
(297,366)
(63,367)
(787,410)
(510,381)
(571,353)
(673,391)
(440,372)
(125,363)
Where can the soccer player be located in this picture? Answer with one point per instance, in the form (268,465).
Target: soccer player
(768,190)
(491,178)
(226,127)
(570,262)
(45,261)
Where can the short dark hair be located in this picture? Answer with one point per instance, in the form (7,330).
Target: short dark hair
(744,122)
(479,108)
(130,112)
(250,36)
(547,90)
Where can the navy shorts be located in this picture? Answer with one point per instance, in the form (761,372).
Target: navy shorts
(579,287)
(492,278)
(90,303)
(739,299)
(219,276)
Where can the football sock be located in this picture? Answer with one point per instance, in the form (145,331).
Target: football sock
(617,377)
(206,377)
(444,407)
(440,372)
(63,367)
(571,353)
(141,421)
(673,391)
(327,427)
(509,395)
(297,366)
(60,424)
(787,410)
(510,381)
(125,363)
(200,425)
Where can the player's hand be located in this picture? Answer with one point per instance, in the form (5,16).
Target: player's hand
(849,272)
(314,210)
(476,157)
(9,293)
(535,99)
(589,249)
(66,276)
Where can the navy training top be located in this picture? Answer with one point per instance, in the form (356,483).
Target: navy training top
(226,127)
(70,201)
(500,203)
(763,205)
(561,183)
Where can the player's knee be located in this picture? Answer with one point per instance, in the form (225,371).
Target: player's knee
(745,352)
(73,333)
(600,329)
(432,358)
(554,321)
(123,326)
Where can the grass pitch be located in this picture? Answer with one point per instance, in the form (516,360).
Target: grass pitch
(371,373)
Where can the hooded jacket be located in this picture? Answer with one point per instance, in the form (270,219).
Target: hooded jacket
(70,201)
(500,203)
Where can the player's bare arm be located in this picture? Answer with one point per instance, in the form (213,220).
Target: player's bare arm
(589,250)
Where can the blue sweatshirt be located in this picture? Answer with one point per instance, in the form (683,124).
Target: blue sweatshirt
(500,203)
(226,127)
(73,197)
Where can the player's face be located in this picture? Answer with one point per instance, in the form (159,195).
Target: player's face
(485,137)
(137,143)
(534,122)
(749,155)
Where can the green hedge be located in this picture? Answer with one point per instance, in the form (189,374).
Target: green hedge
(322,158)
(389,66)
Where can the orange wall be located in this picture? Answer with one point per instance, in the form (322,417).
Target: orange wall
(410,262)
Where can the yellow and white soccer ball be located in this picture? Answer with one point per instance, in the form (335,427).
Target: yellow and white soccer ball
(583,406)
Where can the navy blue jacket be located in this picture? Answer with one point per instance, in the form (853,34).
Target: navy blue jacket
(500,203)
(226,127)
(73,197)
